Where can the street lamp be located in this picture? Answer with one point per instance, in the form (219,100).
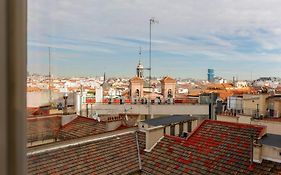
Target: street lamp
(151,21)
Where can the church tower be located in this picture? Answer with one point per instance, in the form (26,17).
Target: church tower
(140,67)
(168,86)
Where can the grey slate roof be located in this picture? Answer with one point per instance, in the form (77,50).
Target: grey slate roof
(167,120)
(271,140)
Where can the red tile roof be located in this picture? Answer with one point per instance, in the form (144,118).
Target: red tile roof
(168,79)
(267,167)
(113,155)
(80,127)
(214,148)
(136,79)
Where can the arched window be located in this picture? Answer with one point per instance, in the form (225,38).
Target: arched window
(170,94)
(137,93)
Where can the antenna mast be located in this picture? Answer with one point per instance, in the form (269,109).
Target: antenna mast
(50,91)
(151,21)
(140,55)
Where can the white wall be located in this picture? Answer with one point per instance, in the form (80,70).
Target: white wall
(67,118)
(227,118)
(99,94)
(36,99)
(271,153)
(110,126)
(272,127)
(168,130)
(155,109)
(244,119)
(177,128)
(234,103)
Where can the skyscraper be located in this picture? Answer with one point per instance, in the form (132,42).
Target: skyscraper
(211,75)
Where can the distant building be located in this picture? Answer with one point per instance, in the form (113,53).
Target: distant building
(136,88)
(219,80)
(211,75)
(235,103)
(271,82)
(99,94)
(168,88)
(274,106)
(255,105)
(240,84)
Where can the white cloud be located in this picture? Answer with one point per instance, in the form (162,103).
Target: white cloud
(97,20)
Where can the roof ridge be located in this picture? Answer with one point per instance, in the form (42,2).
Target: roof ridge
(232,123)
(138,149)
(78,143)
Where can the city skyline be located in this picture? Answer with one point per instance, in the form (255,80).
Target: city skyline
(240,38)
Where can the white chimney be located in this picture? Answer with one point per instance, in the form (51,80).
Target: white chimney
(77,102)
(152,136)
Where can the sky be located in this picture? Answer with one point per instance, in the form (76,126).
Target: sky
(240,38)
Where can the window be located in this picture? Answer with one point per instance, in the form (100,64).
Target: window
(170,95)
(137,93)
(189,128)
(172,130)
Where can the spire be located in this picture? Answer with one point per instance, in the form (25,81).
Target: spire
(140,66)
(140,56)
(104,77)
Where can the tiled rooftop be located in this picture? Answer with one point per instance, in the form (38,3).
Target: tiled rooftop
(114,155)
(141,139)
(267,168)
(214,148)
(80,127)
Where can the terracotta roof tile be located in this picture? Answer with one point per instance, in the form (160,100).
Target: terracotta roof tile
(168,79)
(215,148)
(80,127)
(114,155)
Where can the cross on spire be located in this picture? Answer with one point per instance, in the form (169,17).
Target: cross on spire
(140,55)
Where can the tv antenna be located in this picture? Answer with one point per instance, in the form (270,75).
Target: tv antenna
(50,90)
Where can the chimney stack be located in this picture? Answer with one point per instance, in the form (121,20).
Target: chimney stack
(152,136)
